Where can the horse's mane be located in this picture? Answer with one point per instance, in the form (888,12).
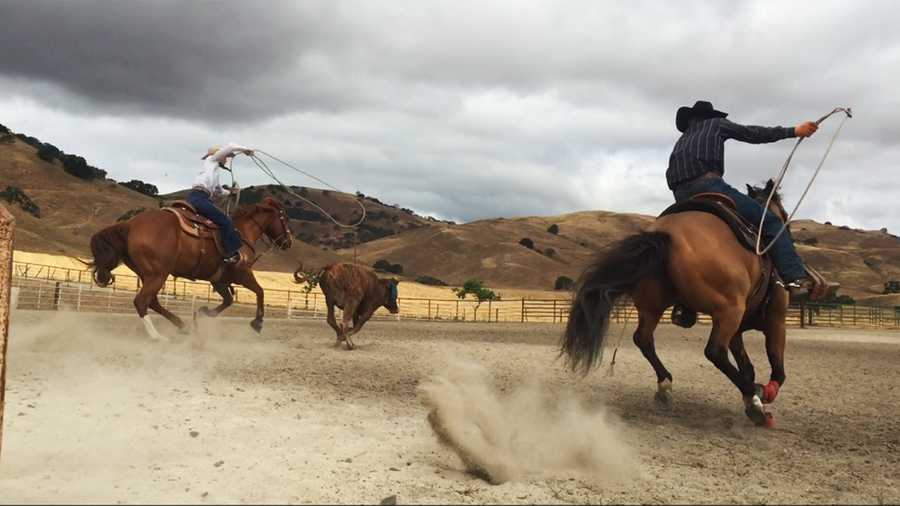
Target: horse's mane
(246,210)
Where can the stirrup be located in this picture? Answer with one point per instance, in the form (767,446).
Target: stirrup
(233,259)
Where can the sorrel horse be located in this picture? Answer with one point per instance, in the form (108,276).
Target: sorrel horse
(692,258)
(154,246)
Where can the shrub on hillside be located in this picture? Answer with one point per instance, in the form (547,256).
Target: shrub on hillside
(812,241)
(48,152)
(4,130)
(892,287)
(253,195)
(563,283)
(528,243)
(31,141)
(430,280)
(554,229)
(550,252)
(141,187)
(78,167)
(15,195)
(385,266)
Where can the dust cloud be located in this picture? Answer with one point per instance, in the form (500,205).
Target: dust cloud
(528,432)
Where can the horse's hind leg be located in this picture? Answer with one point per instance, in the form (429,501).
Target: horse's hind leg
(168,315)
(650,300)
(143,300)
(643,338)
(224,291)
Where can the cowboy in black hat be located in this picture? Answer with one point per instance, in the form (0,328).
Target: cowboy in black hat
(696,166)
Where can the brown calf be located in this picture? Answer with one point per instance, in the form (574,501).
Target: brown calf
(358,292)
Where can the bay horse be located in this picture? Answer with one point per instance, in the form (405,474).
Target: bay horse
(691,258)
(154,246)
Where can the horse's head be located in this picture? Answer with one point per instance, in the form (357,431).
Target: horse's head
(762,194)
(271,219)
(277,229)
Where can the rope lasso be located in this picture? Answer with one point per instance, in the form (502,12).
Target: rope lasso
(264,167)
(848,113)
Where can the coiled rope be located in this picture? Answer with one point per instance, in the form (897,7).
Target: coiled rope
(848,113)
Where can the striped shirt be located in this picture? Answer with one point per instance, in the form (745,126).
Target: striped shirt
(701,148)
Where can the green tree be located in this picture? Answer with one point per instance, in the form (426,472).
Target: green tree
(476,288)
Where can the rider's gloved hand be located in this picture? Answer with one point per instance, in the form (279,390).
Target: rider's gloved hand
(805,129)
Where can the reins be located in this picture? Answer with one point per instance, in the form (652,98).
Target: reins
(848,113)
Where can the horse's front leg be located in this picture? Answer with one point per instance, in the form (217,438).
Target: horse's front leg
(224,291)
(726,323)
(249,282)
(775,332)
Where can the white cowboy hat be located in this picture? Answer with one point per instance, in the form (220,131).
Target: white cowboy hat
(211,151)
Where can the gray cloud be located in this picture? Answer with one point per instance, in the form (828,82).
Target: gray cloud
(463,109)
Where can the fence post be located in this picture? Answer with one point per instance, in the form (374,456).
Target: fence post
(429,309)
(489,311)
(193,303)
(457,310)
(108,300)
(56,295)
(523,309)
(40,291)
(78,302)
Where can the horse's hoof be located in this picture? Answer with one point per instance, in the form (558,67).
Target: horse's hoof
(205,311)
(184,331)
(257,325)
(753,408)
(350,346)
(663,395)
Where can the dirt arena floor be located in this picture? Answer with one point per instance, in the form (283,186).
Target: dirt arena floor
(97,413)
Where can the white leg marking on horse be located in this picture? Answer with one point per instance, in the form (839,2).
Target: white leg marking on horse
(665,385)
(757,403)
(151,330)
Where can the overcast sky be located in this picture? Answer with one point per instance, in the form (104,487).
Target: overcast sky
(463,110)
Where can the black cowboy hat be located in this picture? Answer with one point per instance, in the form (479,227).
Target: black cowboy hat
(702,109)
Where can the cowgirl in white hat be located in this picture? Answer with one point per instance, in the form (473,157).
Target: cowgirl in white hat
(206,186)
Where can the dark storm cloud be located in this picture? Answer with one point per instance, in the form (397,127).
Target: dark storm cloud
(464,109)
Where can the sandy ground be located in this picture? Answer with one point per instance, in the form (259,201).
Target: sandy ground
(96,413)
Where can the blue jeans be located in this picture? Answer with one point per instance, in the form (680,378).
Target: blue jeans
(231,240)
(787,261)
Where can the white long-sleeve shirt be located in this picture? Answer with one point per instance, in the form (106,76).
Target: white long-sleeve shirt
(208,177)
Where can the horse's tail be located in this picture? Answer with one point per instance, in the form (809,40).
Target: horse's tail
(615,273)
(109,247)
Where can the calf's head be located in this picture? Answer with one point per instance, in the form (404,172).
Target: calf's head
(390,294)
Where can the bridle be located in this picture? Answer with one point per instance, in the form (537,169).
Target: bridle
(283,241)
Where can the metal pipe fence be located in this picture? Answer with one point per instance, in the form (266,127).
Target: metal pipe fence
(44,287)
